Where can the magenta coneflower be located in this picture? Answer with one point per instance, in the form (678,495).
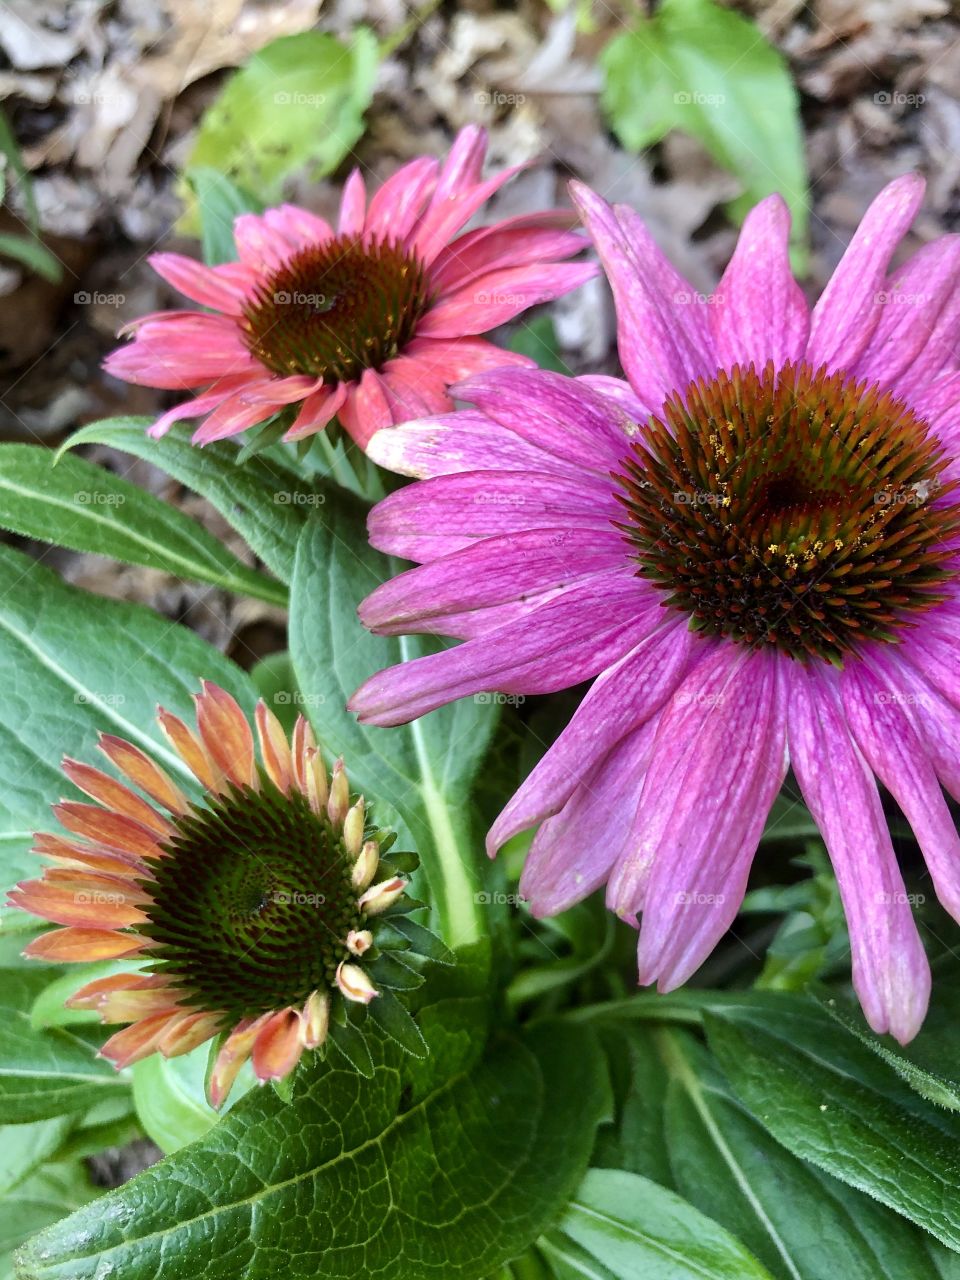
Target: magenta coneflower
(370,322)
(753,546)
(257,911)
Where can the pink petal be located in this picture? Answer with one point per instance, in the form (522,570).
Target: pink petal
(231,417)
(916,340)
(457,358)
(463,441)
(365,408)
(625,697)
(530,238)
(557,645)
(483,586)
(760,313)
(353,205)
(282,391)
(317,410)
(662,325)
(210,399)
(572,852)
(180,353)
(890,971)
(436,517)
(396,206)
(847,312)
(875,704)
(260,245)
(298,226)
(493,299)
(411,396)
(717,763)
(222,288)
(620,392)
(566,419)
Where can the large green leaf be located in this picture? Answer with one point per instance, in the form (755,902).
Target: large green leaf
(219,201)
(621,1226)
(708,71)
(266,503)
(423,770)
(51,1193)
(827,1098)
(72,664)
(439,1175)
(297,104)
(45,1073)
(77,504)
(800,1222)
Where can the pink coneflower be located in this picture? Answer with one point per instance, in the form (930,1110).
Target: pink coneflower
(370,322)
(753,546)
(254,909)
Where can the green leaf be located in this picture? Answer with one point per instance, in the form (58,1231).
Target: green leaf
(169,1097)
(33,254)
(450,1177)
(49,1195)
(537,338)
(266,503)
(77,504)
(297,104)
(45,1073)
(10,150)
(422,771)
(800,1222)
(71,665)
(631,1227)
(708,71)
(829,1100)
(219,201)
(27,1146)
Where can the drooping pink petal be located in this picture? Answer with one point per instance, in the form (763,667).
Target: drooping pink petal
(317,410)
(411,392)
(567,640)
(661,323)
(470,591)
(231,417)
(759,312)
(717,763)
(891,975)
(848,312)
(623,698)
(221,390)
(491,300)
(178,354)
(574,850)
(876,705)
(281,391)
(448,513)
(365,409)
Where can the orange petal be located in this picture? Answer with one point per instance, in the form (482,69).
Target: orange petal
(77,904)
(274,748)
(137,1041)
(113,829)
(126,997)
(187,1031)
(190,750)
(73,945)
(277,1048)
(303,742)
(226,734)
(70,853)
(114,795)
(317,787)
(234,1052)
(144,773)
(339,800)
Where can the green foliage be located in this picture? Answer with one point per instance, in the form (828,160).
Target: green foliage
(76,504)
(447,1170)
(27,249)
(708,71)
(297,104)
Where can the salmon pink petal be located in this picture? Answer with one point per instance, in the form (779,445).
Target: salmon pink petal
(111,794)
(530,238)
(73,945)
(491,300)
(137,1041)
(232,416)
(317,410)
(396,206)
(190,750)
(366,409)
(222,288)
(353,205)
(274,747)
(233,1053)
(115,830)
(891,975)
(299,226)
(454,359)
(277,1048)
(226,734)
(143,772)
(260,245)
(221,390)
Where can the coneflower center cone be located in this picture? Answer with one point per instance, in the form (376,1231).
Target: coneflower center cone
(251,903)
(791,508)
(335,309)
